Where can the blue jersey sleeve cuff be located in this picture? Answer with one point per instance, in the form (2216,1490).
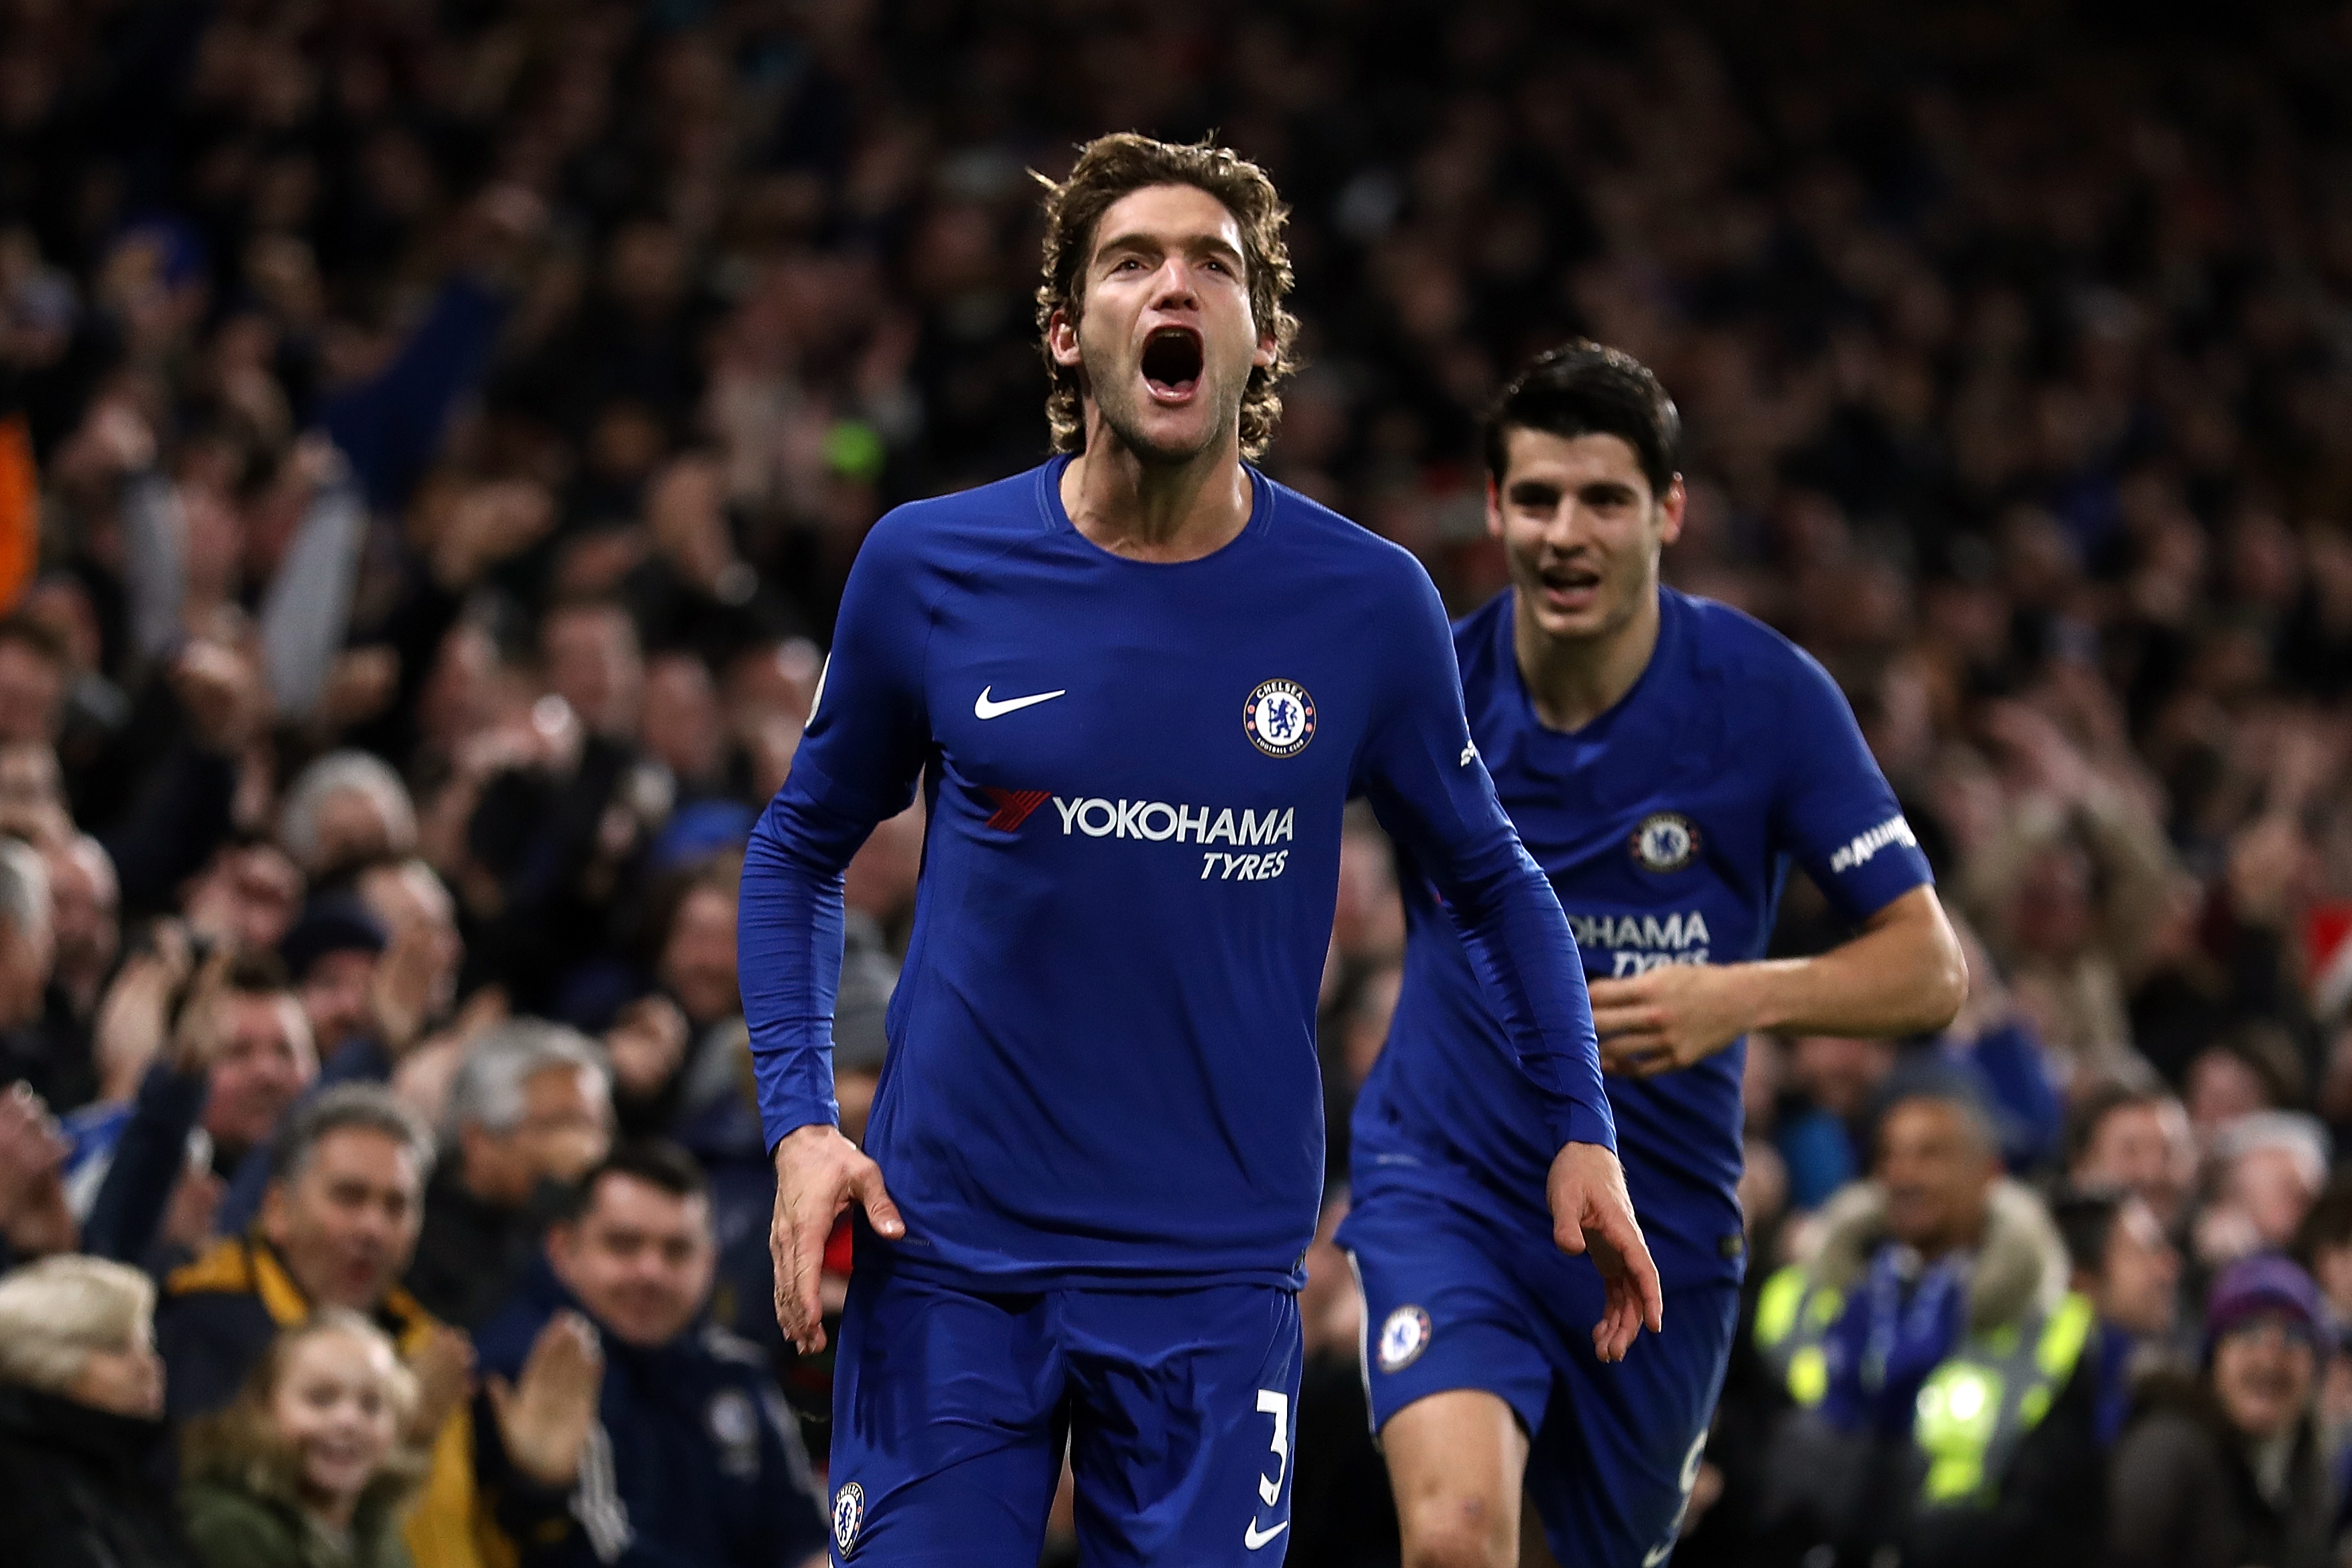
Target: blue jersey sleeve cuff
(1583,1123)
(780,1122)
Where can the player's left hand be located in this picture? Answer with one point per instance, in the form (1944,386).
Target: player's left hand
(1671,1017)
(819,1173)
(1591,1212)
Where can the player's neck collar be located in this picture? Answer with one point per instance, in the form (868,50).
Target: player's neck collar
(1578,668)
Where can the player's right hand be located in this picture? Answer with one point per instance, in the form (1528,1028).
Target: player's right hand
(819,1173)
(1591,1212)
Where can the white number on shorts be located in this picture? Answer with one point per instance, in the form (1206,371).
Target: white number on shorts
(1273,1403)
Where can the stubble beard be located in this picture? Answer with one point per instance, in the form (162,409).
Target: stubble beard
(1122,408)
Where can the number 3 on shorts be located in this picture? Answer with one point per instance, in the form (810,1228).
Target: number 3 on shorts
(1272,1402)
(1277,1403)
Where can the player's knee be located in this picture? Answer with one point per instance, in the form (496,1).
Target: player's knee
(1459,1531)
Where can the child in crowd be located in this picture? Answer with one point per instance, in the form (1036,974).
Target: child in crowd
(304,1470)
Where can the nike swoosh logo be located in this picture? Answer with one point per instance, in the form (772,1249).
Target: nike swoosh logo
(1252,1540)
(982,708)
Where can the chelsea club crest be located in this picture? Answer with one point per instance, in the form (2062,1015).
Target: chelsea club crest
(1667,840)
(1404,1337)
(849,1513)
(1279,718)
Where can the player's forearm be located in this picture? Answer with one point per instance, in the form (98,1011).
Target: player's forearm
(1902,975)
(788,958)
(1526,957)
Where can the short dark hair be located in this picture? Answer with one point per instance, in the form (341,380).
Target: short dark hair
(36,637)
(249,972)
(1115,166)
(1583,388)
(2327,1224)
(2098,1102)
(1938,1085)
(656,1162)
(2086,1217)
(256,972)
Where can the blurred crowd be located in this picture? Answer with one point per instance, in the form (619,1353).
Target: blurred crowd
(444,428)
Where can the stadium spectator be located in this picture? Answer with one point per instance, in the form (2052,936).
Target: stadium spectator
(531,1111)
(2129,1133)
(346,808)
(2229,1469)
(85,913)
(81,1401)
(695,1459)
(338,1227)
(1822,1131)
(2324,1246)
(333,950)
(1934,1282)
(2269,1168)
(303,1469)
(233,1054)
(36,1216)
(2046,1506)
(27,952)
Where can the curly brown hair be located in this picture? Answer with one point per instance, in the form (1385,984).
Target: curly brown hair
(1111,167)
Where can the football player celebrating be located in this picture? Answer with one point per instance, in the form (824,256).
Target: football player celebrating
(1140,684)
(1664,758)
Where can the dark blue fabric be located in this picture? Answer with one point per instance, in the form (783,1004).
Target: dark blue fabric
(1894,1331)
(2115,1407)
(949,1409)
(706,1461)
(186,813)
(1819,1152)
(389,427)
(2007,1063)
(1667,826)
(149,1155)
(1102,1062)
(1450,1303)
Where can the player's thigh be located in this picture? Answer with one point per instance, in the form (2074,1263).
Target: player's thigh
(947,1439)
(1612,1466)
(1183,1423)
(1456,1461)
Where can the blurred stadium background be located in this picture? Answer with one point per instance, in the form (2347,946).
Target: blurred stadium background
(502,389)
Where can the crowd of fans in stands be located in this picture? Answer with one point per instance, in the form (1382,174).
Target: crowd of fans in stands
(453,421)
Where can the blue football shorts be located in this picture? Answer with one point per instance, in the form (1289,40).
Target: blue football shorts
(1454,1299)
(951,1410)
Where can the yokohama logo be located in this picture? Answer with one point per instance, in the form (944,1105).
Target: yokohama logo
(1155,820)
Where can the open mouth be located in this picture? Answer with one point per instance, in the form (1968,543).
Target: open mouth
(1172,363)
(1568,583)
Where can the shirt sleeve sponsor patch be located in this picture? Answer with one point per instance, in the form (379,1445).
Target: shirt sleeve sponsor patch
(1863,846)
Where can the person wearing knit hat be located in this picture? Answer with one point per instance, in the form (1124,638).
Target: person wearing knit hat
(2271,1289)
(2231,1472)
(331,951)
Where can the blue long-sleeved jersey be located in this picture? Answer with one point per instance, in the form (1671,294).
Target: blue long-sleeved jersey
(1102,1062)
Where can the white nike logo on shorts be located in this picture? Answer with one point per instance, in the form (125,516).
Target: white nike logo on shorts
(982,708)
(1253,1539)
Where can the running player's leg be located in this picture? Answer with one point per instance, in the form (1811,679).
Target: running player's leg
(1183,1423)
(1456,1463)
(1454,1371)
(947,1440)
(1614,1464)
